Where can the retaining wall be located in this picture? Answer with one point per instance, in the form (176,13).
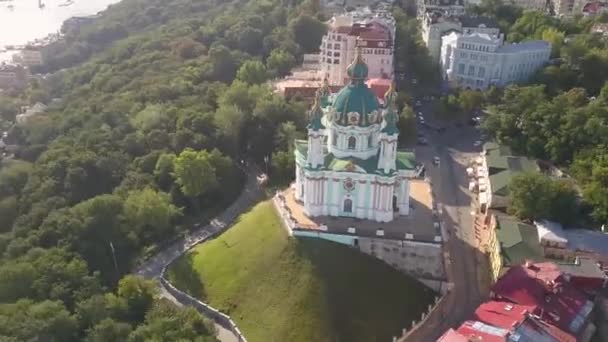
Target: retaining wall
(217,316)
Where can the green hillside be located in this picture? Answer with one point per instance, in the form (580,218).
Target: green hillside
(278,288)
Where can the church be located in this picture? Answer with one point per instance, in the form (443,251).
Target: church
(350,166)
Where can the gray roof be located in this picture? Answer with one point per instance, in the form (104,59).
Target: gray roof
(587,240)
(530,45)
(583,267)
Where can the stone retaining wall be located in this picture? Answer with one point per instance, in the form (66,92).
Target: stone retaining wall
(207,310)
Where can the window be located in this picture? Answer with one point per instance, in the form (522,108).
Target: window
(334,138)
(336,61)
(370,141)
(463,55)
(471,71)
(473,56)
(337,46)
(336,54)
(461,69)
(352,143)
(348,205)
(481,72)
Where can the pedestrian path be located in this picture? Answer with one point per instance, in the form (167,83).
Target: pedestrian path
(154,266)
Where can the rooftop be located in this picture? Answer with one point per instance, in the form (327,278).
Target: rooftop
(541,285)
(518,241)
(406,160)
(530,45)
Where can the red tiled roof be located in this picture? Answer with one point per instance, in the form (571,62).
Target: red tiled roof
(453,336)
(502,314)
(557,302)
(482,332)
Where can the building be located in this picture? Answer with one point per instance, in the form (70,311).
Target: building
(29,112)
(436,24)
(537,5)
(494,170)
(350,165)
(549,292)
(504,321)
(447,7)
(480,60)
(28,57)
(374,32)
(568,244)
(13,76)
(565,8)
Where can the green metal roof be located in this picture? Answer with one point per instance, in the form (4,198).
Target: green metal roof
(358,98)
(518,241)
(406,160)
(500,182)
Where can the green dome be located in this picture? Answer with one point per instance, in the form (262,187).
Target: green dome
(357,70)
(358,98)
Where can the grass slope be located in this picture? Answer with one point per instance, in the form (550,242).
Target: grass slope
(279,288)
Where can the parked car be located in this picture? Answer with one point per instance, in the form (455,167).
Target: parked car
(423,141)
(436,161)
(477,143)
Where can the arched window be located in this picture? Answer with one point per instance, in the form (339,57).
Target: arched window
(348,205)
(352,143)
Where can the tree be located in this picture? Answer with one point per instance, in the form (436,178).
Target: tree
(8,212)
(166,323)
(194,173)
(556,38)
(307,32)
(252,72)
(280,62)
(163,171)
(109,330)
(470,100)
(150,212)
(534,196)
(139,295)
(26,320)
(283,165)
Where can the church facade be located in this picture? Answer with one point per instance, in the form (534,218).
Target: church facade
(350,166)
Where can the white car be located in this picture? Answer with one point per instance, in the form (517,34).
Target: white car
(436,161)
(477,143)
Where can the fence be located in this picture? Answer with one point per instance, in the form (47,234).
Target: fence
(217,316)
(432,309)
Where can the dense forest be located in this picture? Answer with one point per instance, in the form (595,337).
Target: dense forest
(151,109)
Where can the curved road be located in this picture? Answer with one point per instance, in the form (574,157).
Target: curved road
(153,267)
(455,148)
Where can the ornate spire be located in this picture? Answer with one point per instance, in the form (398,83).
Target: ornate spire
(357,70)
(390,96)
(390,112)
(316,113)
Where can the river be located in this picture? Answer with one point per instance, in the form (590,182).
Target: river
(26,21)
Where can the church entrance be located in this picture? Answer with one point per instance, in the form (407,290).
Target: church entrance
(348,206)
(395,206)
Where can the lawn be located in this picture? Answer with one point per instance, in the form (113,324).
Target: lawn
(279,288)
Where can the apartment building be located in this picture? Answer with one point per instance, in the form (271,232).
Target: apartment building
(435,24)
(480,60)
(372,32)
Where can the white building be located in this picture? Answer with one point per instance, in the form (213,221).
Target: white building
(373,31)
(28,57)
(479,60)
(436,24)
(350,165)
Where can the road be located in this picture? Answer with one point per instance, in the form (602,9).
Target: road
(455,148)
(153,267)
